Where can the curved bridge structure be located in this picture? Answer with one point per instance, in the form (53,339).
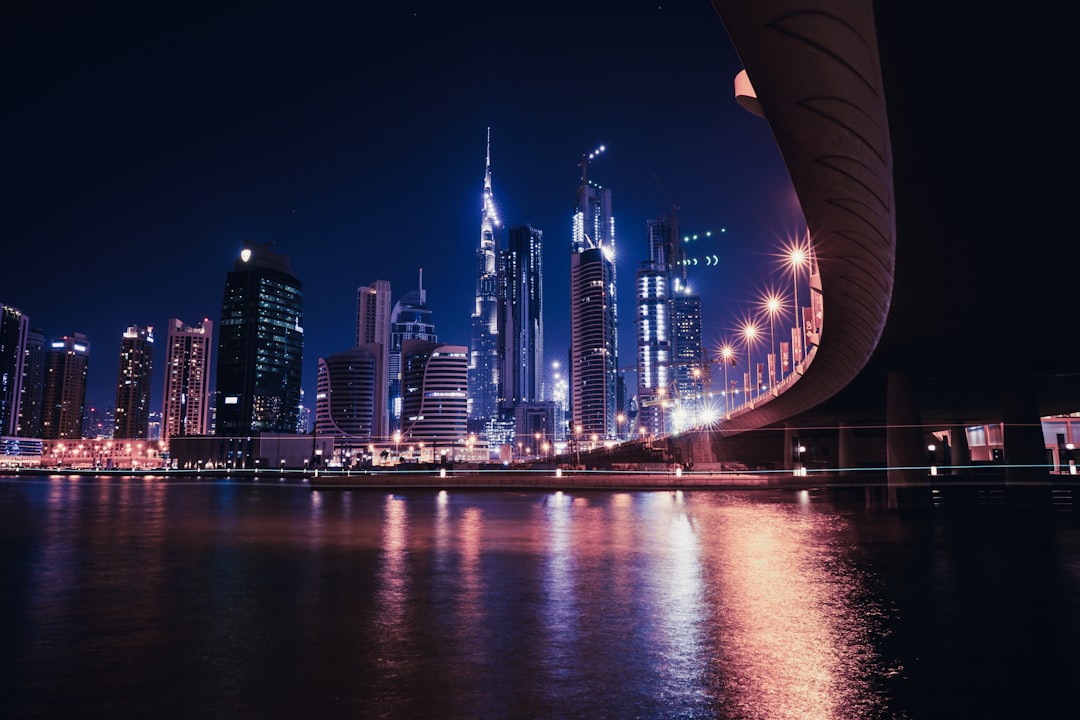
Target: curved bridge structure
(933,183)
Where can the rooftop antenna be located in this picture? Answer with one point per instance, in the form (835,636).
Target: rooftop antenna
(423,295)
(585,159)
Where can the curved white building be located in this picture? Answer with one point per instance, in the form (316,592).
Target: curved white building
(434,385)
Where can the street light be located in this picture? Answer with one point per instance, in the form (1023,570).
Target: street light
(749,331)
(619,420)
(772,305)
(797,255)
(726,354)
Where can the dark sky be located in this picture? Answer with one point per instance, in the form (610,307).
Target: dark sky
(143,144)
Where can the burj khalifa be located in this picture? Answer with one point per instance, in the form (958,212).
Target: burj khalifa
(484,351)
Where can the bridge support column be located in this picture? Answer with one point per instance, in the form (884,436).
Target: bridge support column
(961,451)
(905,449)
(1023,445)
(791,436)
(845,450)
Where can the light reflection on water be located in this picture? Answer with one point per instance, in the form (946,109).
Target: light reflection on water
(233,600)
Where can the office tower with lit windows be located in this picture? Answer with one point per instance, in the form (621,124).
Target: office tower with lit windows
(671,363)
(687,354)
(653,348)
(67,362)
(132,417)
(350,396)
(434,381)
(521,316)
(410,320)
(186,407)
(373,312)
(14,326)
(33,385)
(484,380)
(260,345)
(594,342)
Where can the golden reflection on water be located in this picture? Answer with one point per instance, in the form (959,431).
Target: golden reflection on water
(791,641)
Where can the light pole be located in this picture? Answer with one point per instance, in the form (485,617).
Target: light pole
(726,353)
(749,331)
(796,258)
(772,307)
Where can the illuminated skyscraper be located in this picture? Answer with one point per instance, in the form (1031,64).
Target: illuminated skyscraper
(521,316)
(186,408)
(260,345)
(653,347)
(434,381)
(670,356)
(484,352)
(350,396)
(133,383)
(33,385)
(67,362)
(411,320)
(14,326)
(594,342)
(373,326)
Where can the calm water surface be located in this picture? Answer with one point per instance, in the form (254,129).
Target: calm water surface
(143,598)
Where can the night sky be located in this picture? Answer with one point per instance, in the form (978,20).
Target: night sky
(142,145)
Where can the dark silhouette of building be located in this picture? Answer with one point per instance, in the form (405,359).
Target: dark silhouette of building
(260,345)
(132,418)
(67,362)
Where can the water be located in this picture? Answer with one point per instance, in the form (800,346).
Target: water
(136,598)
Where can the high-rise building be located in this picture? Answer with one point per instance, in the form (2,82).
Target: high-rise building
(133,383)
(67,362)
(350,396)
(260,345)
(434,380)
(33,385)
(410,320)
(671,360)
(521,316)
(14,326)
(687,353)
(186,407)
(484,363)
(594,342)
(373,310)
(653,347)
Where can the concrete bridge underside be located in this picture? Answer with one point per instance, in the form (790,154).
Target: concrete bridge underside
(928,172)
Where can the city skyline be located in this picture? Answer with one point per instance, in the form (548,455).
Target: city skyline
(361,163)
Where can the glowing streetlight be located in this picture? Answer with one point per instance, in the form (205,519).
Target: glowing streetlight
(619,420)
(749,331)
(772,305)
(797,254)
(726,354)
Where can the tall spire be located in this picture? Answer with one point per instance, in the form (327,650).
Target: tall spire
(489,218)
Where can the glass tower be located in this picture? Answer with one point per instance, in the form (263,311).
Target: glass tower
(132,419)
(14,326)
(484,380)
(260,345)
(186,409)
(594,341)
(411,320)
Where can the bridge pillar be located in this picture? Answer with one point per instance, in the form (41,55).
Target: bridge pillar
(961,451)
(791,436)
(1023,445)
(845,450)
(905,447)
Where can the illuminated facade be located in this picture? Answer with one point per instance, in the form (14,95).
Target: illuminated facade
(33,385)
(14,326)
(653,347)
(350,396)
(521,316)
(186,407)
(373,312)
(594,338)
(260,345)
(67,362)
(484,380)
(411,320)
(132,418)
(434,387)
